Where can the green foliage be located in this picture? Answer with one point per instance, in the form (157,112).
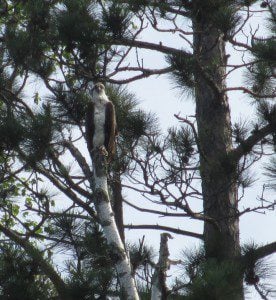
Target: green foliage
(19,46)
(184,67)
(261,75)
(141,256)
(245,179)
(90,271)
(182,143)
(240,131)
(272,18)
(192,259)
(211,279)
(136,5)
(77,36)
(255,270)
(34,135)
(247,2)
(133,123)
(20,277)
(39,135)
(267,113)
(220,14)
(208,278)
(271,172)
(215,281)
(226,19)
(78,26)
(68,107)
(11,130)
(260,78)
(38,12)
(27,44)
(116,19)
(265,50)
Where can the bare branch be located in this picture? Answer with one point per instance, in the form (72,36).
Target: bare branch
(248,91)
(147,45)
(165,228)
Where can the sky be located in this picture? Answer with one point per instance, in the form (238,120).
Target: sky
(160,96)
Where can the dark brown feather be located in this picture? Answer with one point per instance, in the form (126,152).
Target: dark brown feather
(110,130)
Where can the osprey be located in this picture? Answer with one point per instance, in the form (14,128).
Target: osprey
(100,124)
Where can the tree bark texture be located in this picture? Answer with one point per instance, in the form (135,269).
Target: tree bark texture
(107,221)
(117,203)
(159,289)
(218,171)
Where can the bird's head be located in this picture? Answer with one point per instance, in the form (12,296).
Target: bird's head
(98,89)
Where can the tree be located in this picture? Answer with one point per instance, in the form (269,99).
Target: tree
(18,271)
(69,43)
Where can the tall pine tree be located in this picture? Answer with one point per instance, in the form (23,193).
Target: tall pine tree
(68,44)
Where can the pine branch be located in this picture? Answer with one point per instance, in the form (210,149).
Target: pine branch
(189,214)
(239,44)
(80,159)
(173,7)
(247,145)
(67,191)
(146,45)
(144,74)
(66,213)
(262,295)
(166,228)
(36,255)
(191,124)
(157,212)
(68,179)
(248,91)
(262,251)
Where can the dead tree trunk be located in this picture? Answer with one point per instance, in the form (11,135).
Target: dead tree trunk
(159,288)
(107,221)
(218,172)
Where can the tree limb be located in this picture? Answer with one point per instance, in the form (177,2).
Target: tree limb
(262,251)
(247,145)
(165,228)
(37,256)
(147,45)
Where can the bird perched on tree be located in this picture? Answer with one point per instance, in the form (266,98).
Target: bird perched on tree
(100,125)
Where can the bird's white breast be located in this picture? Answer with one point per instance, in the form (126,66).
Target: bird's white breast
(99,122)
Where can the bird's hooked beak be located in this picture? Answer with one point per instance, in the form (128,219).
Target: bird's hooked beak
(98,89)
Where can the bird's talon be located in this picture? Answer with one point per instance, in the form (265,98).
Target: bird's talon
(103,151)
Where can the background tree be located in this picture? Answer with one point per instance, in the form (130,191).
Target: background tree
(67,44)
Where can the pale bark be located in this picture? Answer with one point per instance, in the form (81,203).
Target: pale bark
(106,218)
(159,288)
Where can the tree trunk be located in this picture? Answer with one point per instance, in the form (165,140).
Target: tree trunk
(218,172)
(107,221)
(117,203)
(159,289)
